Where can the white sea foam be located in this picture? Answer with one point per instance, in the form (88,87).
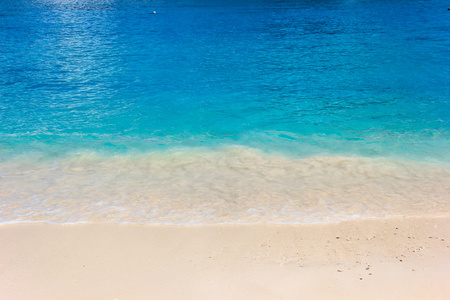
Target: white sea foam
(232,185)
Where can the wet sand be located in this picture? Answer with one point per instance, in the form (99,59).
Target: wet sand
(396,258)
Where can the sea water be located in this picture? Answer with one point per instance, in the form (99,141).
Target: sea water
(206,112)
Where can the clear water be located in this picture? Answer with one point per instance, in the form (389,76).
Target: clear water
(223,111)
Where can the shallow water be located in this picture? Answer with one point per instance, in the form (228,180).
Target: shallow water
(233,185)
(223,111)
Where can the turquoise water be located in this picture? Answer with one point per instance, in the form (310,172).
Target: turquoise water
(223,111)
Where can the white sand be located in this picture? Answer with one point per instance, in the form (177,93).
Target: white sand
(400,258)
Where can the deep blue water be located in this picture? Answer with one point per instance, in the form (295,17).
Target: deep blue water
(367,78)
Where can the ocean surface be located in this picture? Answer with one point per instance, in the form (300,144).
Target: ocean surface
(223,111)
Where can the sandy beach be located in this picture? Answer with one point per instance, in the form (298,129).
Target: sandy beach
(396,258)
(238,150)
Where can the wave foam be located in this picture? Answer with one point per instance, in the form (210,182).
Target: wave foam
(232,185)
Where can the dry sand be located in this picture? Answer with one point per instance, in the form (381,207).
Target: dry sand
(398,258)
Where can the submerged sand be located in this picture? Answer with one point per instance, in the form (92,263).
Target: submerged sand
(396,258)
(237,185)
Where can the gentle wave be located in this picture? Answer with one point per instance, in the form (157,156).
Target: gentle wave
(228,185)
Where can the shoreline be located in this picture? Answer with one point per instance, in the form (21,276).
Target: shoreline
(230,185)
(226,224)
(394,258)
